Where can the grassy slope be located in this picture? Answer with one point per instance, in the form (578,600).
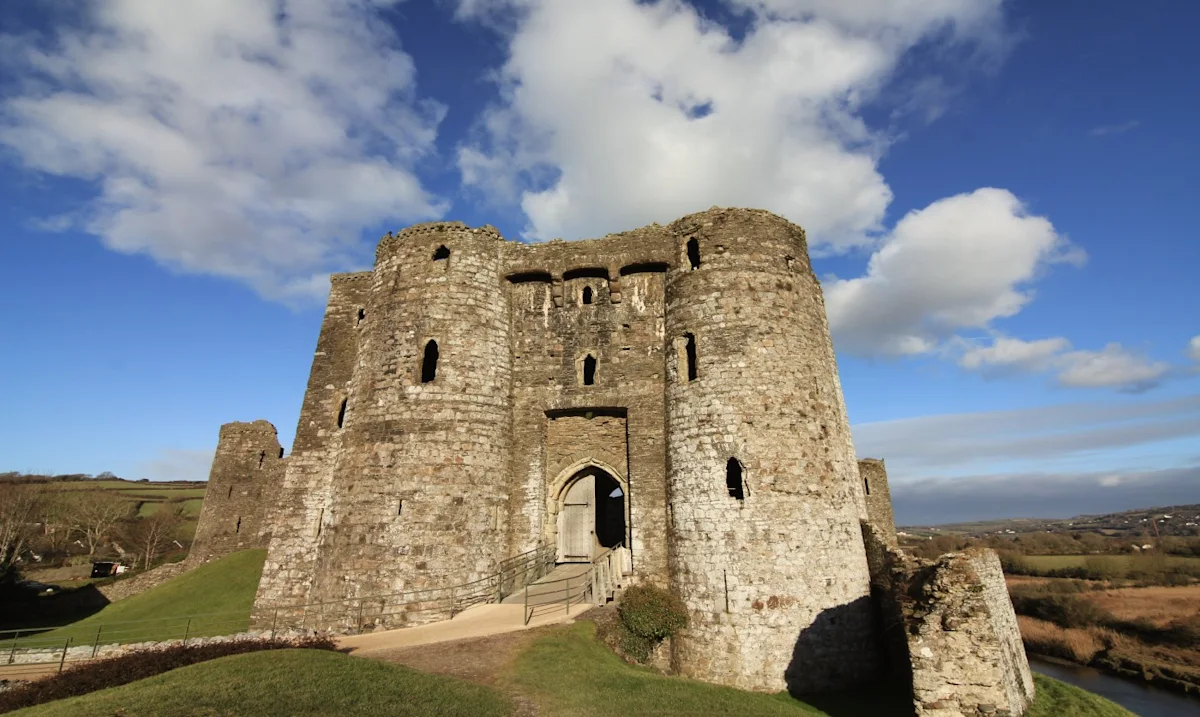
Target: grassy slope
(567,672)
(223,589)
(283,683)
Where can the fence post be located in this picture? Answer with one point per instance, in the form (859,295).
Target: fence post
(451,603)
(12,656)
(567,594)
(96,642)
(187,630)
(274,622)
(525,613)
(360,609)
(63,661)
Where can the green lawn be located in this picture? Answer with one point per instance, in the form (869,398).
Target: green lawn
(222,590)
(567,672)
(191,507)
(283,683)
(571,673)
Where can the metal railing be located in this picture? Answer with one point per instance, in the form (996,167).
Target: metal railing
(597,585)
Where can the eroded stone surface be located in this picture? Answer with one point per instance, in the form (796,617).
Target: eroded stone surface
(690,362)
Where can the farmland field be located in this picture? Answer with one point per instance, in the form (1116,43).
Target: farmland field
(1122,562)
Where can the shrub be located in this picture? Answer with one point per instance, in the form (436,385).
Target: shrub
(114,671)
(1062,610)
(651,612)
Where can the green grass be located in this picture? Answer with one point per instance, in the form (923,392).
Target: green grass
(191,507)
(283,683)
(569,672)
(223,589)
(1058,699)
(155,492)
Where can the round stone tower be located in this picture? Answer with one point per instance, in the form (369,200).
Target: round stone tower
(765,544)
(418,487)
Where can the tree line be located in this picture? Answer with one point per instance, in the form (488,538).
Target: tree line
(44,524)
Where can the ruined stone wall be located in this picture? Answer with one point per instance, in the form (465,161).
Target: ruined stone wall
(776,581)
(247,466)
(965,646)
(553,330)
(419,497)
(301,506)
(878,498)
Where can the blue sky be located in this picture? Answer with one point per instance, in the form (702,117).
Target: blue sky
(1001,196)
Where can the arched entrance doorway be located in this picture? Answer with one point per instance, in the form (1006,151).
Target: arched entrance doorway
(591,515)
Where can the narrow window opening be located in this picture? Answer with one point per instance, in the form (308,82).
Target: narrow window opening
(400,506)
(441,253)
(867,486)
(342,413)
(589,370)
(693,253)
(238,528)
(362,314)
(230,493)
(320,521)
(733,479)
(587,294)
(261,456)
(690,349)
(429,363)
(281,451)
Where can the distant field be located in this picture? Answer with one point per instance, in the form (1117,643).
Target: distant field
(1122,562)
(191,507)
(148,497)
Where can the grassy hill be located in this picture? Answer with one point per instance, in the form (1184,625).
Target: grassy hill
(564,672)
(218,595)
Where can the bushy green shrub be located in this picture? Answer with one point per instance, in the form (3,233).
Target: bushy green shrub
(651,612)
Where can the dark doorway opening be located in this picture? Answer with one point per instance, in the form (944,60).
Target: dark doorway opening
(693,253)
(733,479)
(610,511)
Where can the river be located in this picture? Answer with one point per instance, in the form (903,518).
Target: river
(1140,698)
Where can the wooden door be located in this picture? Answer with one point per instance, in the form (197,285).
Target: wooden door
(577,522)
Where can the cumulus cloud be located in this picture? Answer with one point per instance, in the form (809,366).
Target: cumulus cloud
(959,263)
(617,114)
(1114,366)
(251,139)
(1193,349)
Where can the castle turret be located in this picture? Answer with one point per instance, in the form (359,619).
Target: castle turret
(764,504)
(248,463)
(419,482)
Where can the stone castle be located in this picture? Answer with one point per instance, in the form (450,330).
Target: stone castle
(672,390)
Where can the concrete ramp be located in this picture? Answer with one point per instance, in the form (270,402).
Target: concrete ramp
(477,621)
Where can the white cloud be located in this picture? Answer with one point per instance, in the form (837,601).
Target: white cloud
(1111,367)
(1030,438)
(1009,353)
(252,139)
(1193,349)
(959,263)
(617,114)
(1122,128)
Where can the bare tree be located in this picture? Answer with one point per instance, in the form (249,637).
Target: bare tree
(57,523)
(151,535)
(94,514)
(19,509)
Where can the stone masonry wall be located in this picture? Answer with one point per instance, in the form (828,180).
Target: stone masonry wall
(248,465)
(878,498)
(418,498)
(301,506)
(967,656)
(398,484)
(128,587)
(776,581)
